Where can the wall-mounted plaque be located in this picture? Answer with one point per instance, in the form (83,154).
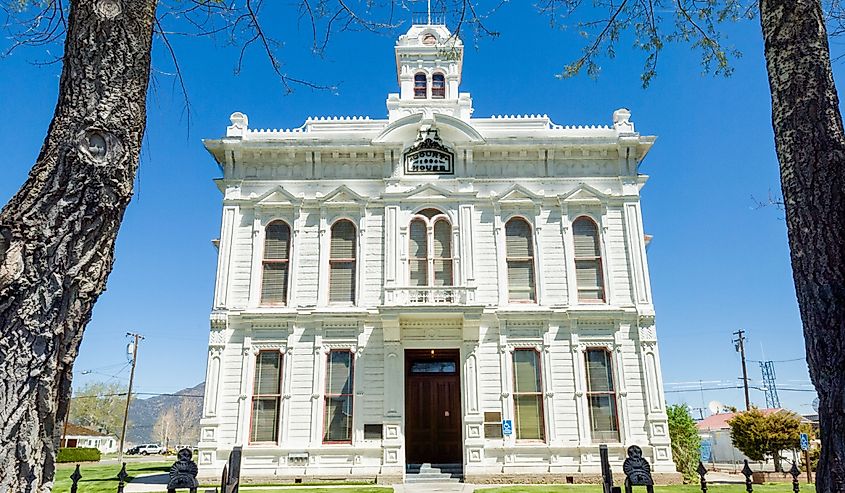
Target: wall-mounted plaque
(428,156)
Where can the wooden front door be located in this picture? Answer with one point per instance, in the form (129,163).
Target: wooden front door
(433,407)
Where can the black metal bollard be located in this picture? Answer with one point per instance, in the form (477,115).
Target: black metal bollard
(121,477)
(747,472)
(702,471)
(606,474)
(795,472)
(75,477)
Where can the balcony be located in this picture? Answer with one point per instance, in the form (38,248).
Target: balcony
(429,296)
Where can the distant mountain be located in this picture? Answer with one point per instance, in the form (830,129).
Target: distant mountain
(143,413)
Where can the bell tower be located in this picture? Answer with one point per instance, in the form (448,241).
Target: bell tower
(429,60)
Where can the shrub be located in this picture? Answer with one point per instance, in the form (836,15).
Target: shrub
(686,444)
(78,454)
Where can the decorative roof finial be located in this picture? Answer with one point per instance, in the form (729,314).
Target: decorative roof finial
(429,12)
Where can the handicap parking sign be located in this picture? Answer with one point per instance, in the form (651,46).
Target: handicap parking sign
(706,450)
(507,427)
(805,442)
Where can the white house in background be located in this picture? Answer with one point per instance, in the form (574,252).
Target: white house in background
(75,436)
(432,287)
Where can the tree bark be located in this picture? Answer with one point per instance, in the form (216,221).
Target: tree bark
(810,145)
(58,232)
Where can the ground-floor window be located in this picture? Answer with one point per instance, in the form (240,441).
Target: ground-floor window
(527,395)
(337,422)
(266,397)
(601,396)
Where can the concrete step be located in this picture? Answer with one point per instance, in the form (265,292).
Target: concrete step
(434,473)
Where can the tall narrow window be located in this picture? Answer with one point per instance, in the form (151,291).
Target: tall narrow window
(420,86)
(601,396)
(274,280)
(342,263)
(430,256)
(438,86)
(527,395)
(418,253)
(442,253)
(520,259)
(588,271)
(337,423)
(266,394)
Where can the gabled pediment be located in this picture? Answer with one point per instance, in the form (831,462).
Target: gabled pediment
(584,193)
(342,195)
(277,197)
(518,194)
(429,192)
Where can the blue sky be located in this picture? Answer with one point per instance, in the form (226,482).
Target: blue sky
(718,263)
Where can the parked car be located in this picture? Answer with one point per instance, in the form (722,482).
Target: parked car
(146,449)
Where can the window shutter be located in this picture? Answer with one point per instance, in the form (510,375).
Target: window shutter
(443,253)
(520,260)
(342,263)
(518,234)
(342,282)
(277,241)
(343,240)
(418,265)
(274,283)
(585,236)
(267,373)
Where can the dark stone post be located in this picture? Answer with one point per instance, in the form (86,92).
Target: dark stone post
(637,470)
(75,477)
(747,472)
(702,471)
(795,472)
(121,478)
(232,472)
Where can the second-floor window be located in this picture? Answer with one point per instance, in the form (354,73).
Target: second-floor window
(342,263)
(588,269)
(601,396)
(337,422)
(430,254)
(520,260)
(276,264)
(266,397)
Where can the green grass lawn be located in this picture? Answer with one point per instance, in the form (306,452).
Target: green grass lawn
(317,489)
(102,478)
(685,488)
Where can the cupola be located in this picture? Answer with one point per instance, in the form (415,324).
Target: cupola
(429,59)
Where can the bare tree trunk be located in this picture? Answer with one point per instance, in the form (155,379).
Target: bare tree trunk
(810,146)
(58,231)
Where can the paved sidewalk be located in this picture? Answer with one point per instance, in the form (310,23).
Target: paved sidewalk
(150,482)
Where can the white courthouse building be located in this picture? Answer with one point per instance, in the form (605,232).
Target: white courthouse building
(432,287)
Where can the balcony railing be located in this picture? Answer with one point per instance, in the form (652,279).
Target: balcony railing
(428,295)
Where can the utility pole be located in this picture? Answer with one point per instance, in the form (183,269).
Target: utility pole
(136,339)
(739,344)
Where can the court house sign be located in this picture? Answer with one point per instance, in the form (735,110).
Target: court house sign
(428,156)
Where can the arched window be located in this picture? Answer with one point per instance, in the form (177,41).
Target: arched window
(274,279)
(520,259)
(430,253)
(588,269)
(342,263)
(420,86)
(438,86)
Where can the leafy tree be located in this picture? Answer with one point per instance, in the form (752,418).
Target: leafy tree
(164,428)
(57,233)
(686,443)
(99,406)
(759,435)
